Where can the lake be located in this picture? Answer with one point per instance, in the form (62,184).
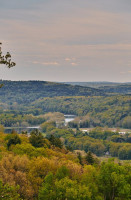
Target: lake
(68,118)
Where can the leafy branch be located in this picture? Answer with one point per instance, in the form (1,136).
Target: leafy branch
(6,60)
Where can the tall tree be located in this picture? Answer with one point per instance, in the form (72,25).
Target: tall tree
(89,158)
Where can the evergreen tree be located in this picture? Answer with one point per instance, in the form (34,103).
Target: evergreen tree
(80,158)
(55,141)
(36,138)
(14,139)
(89,158)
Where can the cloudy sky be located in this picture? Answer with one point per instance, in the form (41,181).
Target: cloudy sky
(67,40)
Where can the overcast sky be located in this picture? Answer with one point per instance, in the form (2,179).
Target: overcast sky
(67,40)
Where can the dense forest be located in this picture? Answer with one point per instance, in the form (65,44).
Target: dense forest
(111,111)
(28,91)
(58,161)
(98,140)
(107,87)
(98,111)
(25,120)
(121,89)
(92,106)
(95,84)
(37,168)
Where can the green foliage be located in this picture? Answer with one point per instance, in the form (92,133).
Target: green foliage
(80,158)
(99,133)
(29,150)
(63,189)
(71,190)
(34,90)
(20,120)
(41,173)
(113,182)
(55,141)
(98,141)
(124,153)
(127,122)
(48,126)
(89,158)
(13,139)
(108,87)
(46,191)
(117,138)
(36,138)
(1,128)
(62,172)
(120,88)
(90,179)
(8,192)
(6,59)
(95,111)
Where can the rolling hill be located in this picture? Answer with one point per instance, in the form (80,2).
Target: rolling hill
(29,91)
(108,87)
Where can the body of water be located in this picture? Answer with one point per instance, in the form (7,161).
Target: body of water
(20,129)
(68,118)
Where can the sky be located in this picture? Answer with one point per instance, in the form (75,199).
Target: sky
(67,40)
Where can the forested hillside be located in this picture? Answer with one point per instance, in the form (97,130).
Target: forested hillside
(94,84)
(102,111)
(39,97)
(29,91)
(108,87)
(122,89)
(100,141)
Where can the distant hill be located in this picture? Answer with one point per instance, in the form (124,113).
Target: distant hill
(121,89)
(112,111)
(93,84)
(29,91)
(108,87)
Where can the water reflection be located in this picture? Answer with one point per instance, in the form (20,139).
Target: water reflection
(68,118)
(20,129)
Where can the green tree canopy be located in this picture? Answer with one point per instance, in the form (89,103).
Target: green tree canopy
(8,192)
(36,138)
